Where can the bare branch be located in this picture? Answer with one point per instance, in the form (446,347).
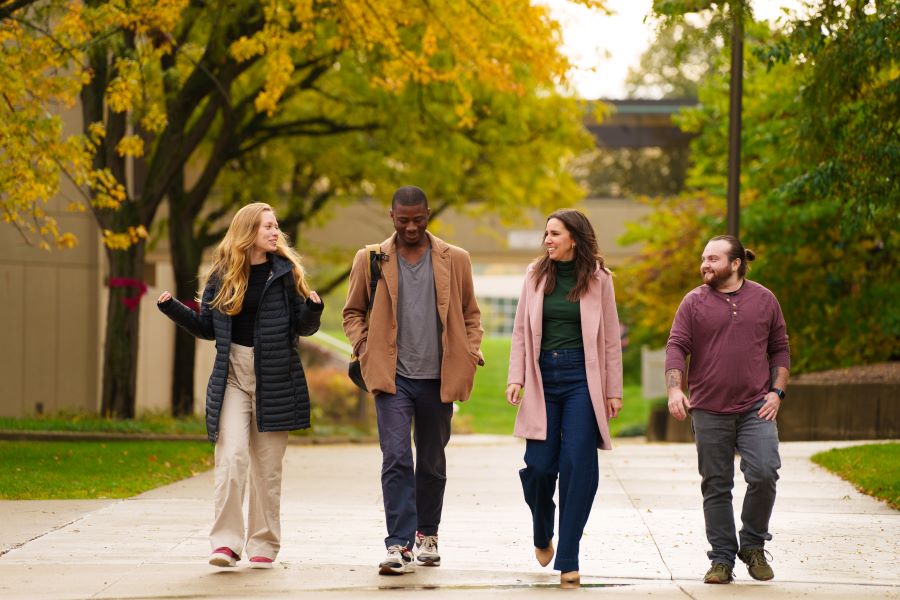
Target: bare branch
(7,10)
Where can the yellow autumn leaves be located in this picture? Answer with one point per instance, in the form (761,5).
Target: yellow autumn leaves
(460,45)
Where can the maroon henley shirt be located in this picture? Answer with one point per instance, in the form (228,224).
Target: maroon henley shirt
(734,340)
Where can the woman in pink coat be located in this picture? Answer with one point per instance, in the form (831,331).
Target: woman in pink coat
(567,356)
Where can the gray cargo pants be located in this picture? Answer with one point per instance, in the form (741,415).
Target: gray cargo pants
(717,437)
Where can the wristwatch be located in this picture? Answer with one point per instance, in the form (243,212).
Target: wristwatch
(778,392)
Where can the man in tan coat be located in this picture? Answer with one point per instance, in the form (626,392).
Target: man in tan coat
(418,351)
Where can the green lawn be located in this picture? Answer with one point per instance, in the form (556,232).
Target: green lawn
(148,423)
(873,468)
(488,412)
(67,470)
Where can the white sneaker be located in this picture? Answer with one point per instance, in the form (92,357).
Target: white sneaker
(399,560)
(426,550)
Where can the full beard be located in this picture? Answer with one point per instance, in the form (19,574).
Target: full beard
(716,279)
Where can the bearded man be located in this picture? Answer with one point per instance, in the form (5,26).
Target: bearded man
(734,332)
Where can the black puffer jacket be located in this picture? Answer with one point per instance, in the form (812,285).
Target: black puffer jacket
(282,398)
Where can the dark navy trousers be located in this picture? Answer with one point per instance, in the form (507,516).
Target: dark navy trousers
(569,453)
(413,495)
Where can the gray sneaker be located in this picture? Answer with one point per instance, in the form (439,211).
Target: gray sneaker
(426,550)
(719,573)
(399,560)
(757,565)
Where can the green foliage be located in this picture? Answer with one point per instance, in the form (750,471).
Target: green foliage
(820,202)
(681,56)
(69,470)
(337,405)
(873,468)
(830,224)
(630,172)
(650,285)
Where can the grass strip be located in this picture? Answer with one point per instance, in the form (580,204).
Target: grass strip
(79,470)
(149,423)
(488,412)
(874,469)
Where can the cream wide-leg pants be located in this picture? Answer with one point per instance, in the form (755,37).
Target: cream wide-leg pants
(242,447)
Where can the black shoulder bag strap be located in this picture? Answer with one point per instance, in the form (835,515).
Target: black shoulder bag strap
(354,370)
(374,273)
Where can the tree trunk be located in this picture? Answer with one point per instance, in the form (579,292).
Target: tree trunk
(126,274)
(186,253)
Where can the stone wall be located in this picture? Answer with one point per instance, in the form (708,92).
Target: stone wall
(860,403)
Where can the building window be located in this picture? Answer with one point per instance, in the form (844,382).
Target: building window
(498,315)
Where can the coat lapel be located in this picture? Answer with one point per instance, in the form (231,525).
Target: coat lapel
(389,269)
(591,314)
(536,314)
(440,265)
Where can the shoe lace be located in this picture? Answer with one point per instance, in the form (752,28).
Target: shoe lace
(398,549)
(757,557)
(428,543)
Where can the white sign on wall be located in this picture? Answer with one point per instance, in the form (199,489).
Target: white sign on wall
(653,376)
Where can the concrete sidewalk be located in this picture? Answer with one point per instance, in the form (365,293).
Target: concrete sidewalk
(645,536)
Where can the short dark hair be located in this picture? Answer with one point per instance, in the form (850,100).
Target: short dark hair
(409,195)
(737,250)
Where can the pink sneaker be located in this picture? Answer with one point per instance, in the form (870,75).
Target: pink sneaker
(223,557)
(261,562)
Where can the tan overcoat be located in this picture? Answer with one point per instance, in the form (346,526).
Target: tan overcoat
(456,306)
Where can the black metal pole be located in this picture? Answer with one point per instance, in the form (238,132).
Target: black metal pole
(734,117)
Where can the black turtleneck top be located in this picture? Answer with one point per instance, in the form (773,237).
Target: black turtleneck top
(243,324)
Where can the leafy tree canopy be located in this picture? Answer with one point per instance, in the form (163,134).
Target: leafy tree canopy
(820,153)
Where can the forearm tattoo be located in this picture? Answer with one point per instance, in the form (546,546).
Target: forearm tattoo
(673,378)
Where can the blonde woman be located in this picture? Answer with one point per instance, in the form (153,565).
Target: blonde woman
(255,303)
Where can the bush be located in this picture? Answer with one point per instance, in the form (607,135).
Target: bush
(336,402)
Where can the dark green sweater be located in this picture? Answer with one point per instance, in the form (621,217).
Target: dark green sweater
(562,319)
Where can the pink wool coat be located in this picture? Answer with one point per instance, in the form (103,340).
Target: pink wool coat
(602,354)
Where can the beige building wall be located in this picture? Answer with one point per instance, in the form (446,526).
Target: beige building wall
(49,320)
(155,347)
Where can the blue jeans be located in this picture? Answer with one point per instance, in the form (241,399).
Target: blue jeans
(717,437)
(413,496)
(569,453)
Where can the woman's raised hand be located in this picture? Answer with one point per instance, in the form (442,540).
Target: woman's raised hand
(315,297)
(164,297)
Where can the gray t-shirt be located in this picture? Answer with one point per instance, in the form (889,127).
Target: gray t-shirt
(418,323)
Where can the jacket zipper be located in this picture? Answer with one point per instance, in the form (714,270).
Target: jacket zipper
(259,404)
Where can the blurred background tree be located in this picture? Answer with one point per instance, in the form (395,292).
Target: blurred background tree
(819,189)
(350,98)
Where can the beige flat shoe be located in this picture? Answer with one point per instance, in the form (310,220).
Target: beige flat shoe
(569,580)
(544,555)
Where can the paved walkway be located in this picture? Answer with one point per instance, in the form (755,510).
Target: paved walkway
(645,536)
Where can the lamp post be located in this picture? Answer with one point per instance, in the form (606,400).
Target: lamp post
(734,117)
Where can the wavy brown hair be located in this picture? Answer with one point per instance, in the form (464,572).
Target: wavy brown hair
(587,255)
(231,259)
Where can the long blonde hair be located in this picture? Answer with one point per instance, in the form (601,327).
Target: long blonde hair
(231,259)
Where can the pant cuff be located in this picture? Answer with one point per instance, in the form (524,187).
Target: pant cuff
(564,566)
